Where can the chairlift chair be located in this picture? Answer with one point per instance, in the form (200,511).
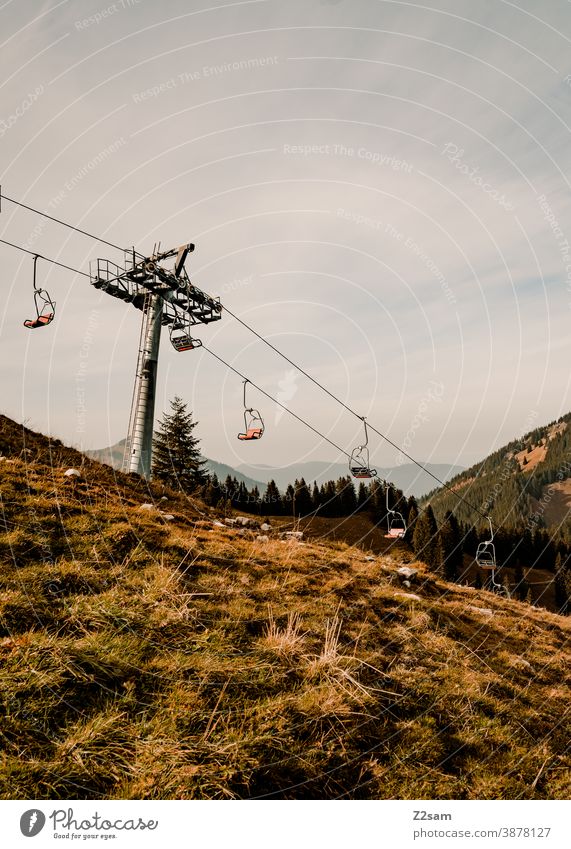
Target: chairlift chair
(253,422)
(45,307)
(359,461)
(182,341)
(396,525)
(486,551)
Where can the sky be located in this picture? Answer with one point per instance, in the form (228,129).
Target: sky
(380,188)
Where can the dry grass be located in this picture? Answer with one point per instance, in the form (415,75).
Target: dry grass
(145,660)
(286,641)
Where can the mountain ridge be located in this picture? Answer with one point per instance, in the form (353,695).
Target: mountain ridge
(408,477)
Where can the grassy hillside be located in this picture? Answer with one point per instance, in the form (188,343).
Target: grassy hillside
(150,657)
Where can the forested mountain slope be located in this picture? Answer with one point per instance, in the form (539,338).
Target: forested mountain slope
(525,484)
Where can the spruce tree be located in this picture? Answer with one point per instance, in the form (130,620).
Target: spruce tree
(302,498)
(315,496)
(362,496)
(425,539)
(450,542)
(273,499)
(289,500)
(176,457)
(561,597)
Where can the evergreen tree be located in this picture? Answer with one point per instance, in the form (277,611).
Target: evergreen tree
(254,502)
(176,457)
(412,517)
(561,596)
(328,499)
(238,495)
(211,494)
(289,500)
(346,498)
(362,495)
(315,496)
(302,498)
(273,499)
(450,547)
(229,486)
(425,538)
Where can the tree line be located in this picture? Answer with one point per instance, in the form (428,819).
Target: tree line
(440,538)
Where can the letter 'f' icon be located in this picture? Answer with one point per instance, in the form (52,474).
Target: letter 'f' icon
(32,822)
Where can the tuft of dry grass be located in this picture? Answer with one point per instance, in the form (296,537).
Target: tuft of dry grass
(287,641)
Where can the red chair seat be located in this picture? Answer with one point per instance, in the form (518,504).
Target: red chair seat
(41,321)
(252,433)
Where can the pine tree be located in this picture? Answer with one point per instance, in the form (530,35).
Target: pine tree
(273,499)
(302,498)
(315,496)
(411,521)
(362,495)
(176,457)
(561,596)
(346,501)
(425,538)
(328,499)
(450,552)
(289,500)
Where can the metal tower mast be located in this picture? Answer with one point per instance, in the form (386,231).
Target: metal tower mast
(166,298)
(138,457)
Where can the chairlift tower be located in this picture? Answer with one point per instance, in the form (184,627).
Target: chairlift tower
(166,298)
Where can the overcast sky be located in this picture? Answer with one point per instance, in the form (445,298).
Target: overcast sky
(381,188)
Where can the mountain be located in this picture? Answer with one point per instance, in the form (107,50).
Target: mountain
(408,477)
(147,654)
(113,456)
(527,483)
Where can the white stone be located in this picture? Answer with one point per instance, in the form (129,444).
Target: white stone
(147,507)
(293,535)
(168,517)
(520,661)
(486,611)
(407,573)
(265,527)
(72,473)
(411,596)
